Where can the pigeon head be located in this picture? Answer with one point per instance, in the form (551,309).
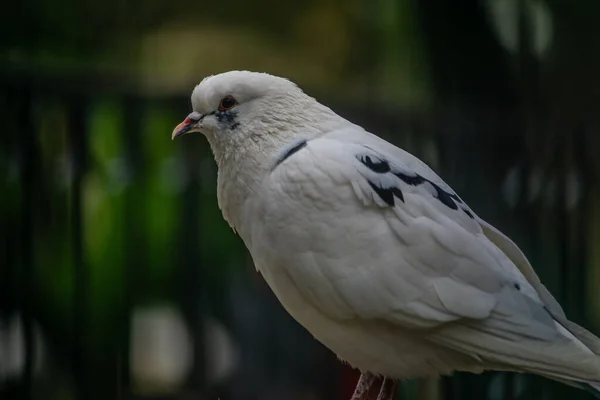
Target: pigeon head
(228,103)
(231,107)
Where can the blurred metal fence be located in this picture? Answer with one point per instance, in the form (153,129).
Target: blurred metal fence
(32,209)
(527,166)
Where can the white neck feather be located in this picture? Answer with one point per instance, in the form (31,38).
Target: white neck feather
(245,156)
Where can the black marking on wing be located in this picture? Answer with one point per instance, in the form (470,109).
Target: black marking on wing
(448,199)
(381,166)
(291,151)
(387,194)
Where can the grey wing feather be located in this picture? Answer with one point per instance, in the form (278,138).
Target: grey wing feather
(518,258)
(505,244)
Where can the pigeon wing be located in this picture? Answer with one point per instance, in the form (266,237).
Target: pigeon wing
(374,239)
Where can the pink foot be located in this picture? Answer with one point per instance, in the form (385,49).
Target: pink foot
(366,388)
(388,389)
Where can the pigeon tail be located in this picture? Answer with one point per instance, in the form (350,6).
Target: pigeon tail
(591,388)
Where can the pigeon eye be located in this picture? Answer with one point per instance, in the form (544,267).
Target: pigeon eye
(227,103)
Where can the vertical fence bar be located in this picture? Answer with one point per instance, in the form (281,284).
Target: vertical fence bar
(77,133)
(582,223)
(530,106)
(135,253)
(563,220)
(29,159)
(191,270)
(10,235)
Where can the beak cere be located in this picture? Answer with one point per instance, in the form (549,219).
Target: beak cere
(190,124)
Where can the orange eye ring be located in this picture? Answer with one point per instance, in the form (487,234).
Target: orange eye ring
(227,103)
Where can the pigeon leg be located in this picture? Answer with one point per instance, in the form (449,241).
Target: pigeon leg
(388,389)
(363,387)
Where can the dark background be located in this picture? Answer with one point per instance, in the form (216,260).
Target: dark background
(118,277)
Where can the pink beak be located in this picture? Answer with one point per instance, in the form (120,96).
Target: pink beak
(190,124)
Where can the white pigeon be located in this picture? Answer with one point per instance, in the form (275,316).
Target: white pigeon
(369,249)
